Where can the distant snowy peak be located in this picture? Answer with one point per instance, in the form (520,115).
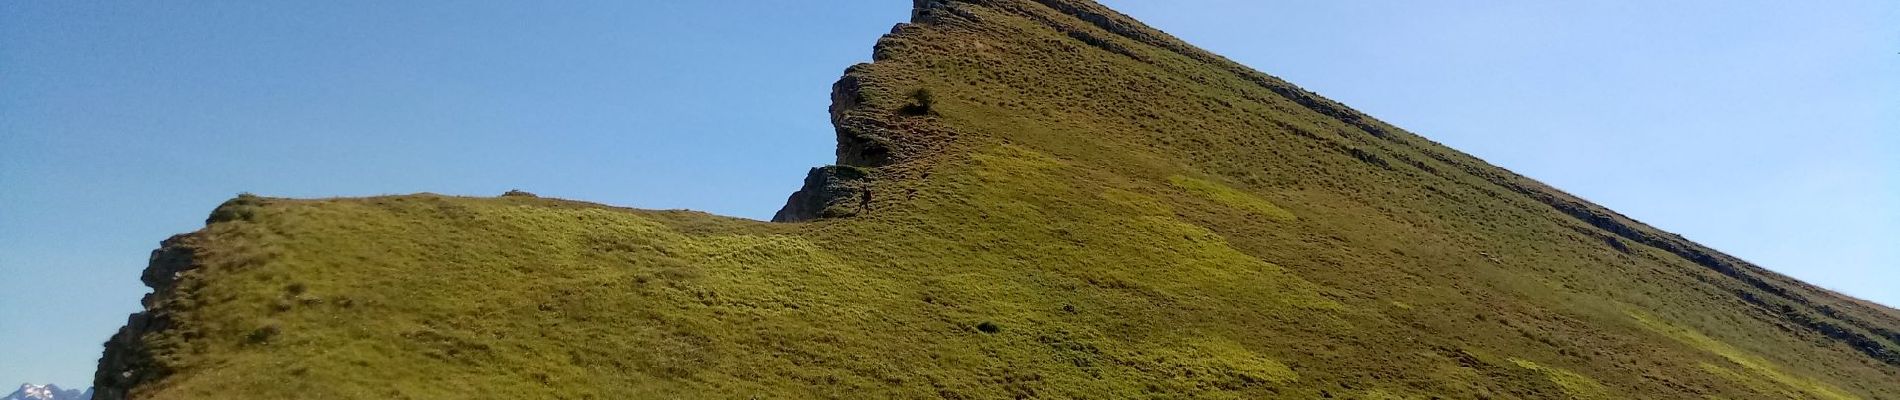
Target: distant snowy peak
(47,392)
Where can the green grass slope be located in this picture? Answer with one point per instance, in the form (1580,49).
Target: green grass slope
(1038,199)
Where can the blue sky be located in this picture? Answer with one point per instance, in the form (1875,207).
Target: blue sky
(1770,130)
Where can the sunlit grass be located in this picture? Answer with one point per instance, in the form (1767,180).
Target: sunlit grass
(1760,367)
(1070,212)
(1578,386)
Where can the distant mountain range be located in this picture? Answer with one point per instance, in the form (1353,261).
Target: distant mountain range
(30,391)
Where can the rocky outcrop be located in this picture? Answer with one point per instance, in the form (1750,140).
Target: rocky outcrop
(862,136)
(129,355)
(830,192)
(864,142)
(881,125)
(134,355)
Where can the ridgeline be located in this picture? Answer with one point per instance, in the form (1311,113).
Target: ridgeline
(1033,198)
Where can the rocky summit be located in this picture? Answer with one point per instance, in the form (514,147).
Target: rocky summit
(1032,199)
(30,391)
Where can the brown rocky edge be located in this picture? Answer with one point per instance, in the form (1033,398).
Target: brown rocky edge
(872,143)
(131,356)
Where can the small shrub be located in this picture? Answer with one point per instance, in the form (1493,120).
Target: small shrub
(262,334)
(921,101)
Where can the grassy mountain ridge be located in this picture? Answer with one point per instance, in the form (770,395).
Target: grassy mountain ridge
(1035,198)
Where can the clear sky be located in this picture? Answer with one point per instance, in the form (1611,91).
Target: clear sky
(1767,129)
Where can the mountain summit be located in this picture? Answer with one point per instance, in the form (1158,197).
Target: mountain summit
(1032,198)
(30,391)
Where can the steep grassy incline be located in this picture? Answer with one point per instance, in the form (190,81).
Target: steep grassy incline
(1035,198)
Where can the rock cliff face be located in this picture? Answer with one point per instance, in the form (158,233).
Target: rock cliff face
(1031,198)
(829,192)
(150,344)
(131,354)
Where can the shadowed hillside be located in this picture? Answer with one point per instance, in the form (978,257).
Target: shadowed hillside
(1033,198)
